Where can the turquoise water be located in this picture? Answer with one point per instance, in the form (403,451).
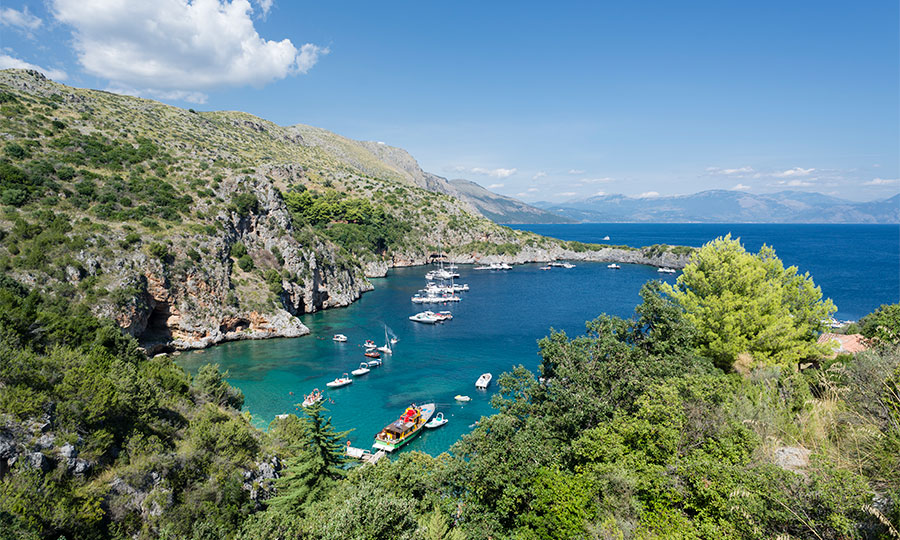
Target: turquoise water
(499,321)
(495,327)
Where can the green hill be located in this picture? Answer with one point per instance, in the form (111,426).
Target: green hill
(191,228)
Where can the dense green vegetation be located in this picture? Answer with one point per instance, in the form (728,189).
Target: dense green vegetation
(355,224)
(633,430)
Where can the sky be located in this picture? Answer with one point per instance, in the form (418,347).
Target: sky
(551,101)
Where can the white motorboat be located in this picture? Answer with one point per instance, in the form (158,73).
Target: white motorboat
(340,381)
(425,317)
(340,337)
(437,421)
(483,381)
(495,266)
(369,344)
(374,363)
(461,398)
(613,266)
(665,270)
(545,268)
(568,265)
(361,370)
(606,237)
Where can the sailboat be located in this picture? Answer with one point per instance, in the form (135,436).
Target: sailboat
(386,348)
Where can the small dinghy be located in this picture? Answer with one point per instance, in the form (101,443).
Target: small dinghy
(340,381)
(437,421)
(340,338)
(462,399)
(372,354)
(361,370)
(369,344)
(314,397)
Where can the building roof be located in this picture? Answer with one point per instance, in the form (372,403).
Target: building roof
(844,343)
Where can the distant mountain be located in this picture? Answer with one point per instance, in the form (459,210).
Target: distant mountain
(500,208)
(718,206)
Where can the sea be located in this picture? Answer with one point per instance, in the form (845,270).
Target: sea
(500,320)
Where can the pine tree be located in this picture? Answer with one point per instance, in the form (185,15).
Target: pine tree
(317,465)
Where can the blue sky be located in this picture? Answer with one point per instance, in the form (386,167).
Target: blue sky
(543,101)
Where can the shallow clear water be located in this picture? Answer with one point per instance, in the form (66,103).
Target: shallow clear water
(499,321)
(495,327)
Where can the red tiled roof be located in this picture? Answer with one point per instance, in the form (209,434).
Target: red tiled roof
(844,343)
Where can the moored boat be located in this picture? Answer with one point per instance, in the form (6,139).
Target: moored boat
(461,398)
(405,428)
(425,317)
(314,397)
(361,370)
(340,337)
(369,344)
(665,270)
(437,421)
(340,381)
(372,354)
(613,266)
(374,363)
(484,380)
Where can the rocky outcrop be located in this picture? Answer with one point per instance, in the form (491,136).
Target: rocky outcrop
(174,306)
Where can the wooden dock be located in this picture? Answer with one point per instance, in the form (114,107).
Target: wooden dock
(367,457)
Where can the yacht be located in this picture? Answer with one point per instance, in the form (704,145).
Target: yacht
(665,270)
(340,381)
(425,317)
(613,266)
(340,338)
(483,381)
(495,266)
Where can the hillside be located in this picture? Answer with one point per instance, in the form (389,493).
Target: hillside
(192,228)
(723,206)
(500,208)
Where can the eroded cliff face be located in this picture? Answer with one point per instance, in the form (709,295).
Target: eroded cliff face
(213,300)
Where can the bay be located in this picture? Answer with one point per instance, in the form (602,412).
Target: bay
(499,321)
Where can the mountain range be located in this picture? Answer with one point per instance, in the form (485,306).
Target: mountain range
(723,206)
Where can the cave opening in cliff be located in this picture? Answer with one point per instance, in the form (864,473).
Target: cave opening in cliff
(157,330)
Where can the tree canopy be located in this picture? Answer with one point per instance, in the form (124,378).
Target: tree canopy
(742,302)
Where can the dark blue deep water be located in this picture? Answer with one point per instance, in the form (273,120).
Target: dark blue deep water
(498,323)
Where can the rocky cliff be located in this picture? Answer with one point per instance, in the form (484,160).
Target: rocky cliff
(193,228)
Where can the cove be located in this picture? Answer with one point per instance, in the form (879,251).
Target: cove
(495,327)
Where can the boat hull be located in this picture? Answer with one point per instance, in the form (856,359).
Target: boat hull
(427,411)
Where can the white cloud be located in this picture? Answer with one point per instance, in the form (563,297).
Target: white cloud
(179,45)
(796,171)
(20,19)
(539,174)
(739,171)
(495,186)
(599,194)
(567,194)
(495,173)
(648,195)
(882,182)
(533,190)
(7,62)
(740,187)
(523,194)
(800,183)
(265,6)
(576,171)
